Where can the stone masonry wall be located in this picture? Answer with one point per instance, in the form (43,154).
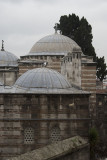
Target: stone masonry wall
(52,117)
(88,83)
(72,148)
(8,78)
(53,62)
(101,119)
(71,68)
(80,154)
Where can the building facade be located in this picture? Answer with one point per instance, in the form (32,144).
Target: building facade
(40,109)
(48,97)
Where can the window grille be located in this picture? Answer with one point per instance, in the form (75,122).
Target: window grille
(29,136)
(55,135)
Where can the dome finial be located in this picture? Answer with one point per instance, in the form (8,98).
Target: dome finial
(56,27)
(2,48)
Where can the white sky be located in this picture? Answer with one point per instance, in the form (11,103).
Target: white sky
(24,22)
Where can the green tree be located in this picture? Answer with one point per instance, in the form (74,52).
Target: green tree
(81,32)
(93,139)
(101,68)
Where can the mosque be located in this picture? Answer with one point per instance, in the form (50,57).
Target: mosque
(46,96)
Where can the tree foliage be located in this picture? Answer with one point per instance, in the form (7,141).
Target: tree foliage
(98,147)
(101,68)
(81,32)
(93,139)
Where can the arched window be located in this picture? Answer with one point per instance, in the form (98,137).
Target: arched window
(55,135)
(29,135)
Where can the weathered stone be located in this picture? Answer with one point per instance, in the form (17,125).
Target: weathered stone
(64,149)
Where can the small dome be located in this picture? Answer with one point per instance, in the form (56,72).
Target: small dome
(8,59)
(55,43)
(42,78)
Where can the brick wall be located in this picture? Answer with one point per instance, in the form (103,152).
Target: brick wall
(53,62)
(88,83)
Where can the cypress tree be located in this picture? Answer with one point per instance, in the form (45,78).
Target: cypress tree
(81,32)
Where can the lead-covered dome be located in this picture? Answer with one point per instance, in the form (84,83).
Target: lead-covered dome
(8,59)
(42,78)
(52,44)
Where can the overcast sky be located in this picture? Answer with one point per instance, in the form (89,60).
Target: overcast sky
(24,22)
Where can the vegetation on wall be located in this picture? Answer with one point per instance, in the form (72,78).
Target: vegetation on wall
(93,139)
(98,148)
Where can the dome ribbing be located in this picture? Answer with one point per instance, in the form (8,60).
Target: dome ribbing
(42,78)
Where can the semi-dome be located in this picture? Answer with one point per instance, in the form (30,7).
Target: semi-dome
(42,78)
(53,44)
(8,59)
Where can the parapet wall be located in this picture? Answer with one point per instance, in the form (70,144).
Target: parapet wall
(72,148)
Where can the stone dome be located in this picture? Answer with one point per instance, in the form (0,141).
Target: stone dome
(53,44)
(8,59)
(42,78)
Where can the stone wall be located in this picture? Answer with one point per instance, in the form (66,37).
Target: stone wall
(24,67)
(73,148)
(80,154)
(71,68)
(30,121)
(31,62)
(8,76)
(101,118)
(80,71)
(88,83)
